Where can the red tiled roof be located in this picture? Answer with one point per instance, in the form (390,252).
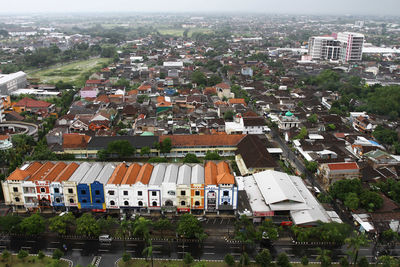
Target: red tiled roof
(39,174)
(55,171)
(4,137)
(19,175)
(131,174)
(32,103)
(210,173)
(75,140)
(144,87)
(33,167)
(118,174)
(223,86)
(210,90)
(203,140)
(144,174)
(343,166)
(224,174)
(67,172)
(237,101)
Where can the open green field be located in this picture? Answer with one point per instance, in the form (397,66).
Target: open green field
(179,32)
(31,261)
(173,263)
(67,73)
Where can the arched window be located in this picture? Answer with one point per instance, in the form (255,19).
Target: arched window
(183,203)
(112,203)
(140,203)
(197,203)
(71,200)
(17,199)
(168,203)
(58,200)
(126,203)
(225,203)
(154,203)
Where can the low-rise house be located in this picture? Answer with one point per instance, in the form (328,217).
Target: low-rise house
(333,172)
(30,105)
(169,192)
(183,188)
(154,186)
(197,188)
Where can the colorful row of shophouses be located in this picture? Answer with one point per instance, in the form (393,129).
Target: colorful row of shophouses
(107,186)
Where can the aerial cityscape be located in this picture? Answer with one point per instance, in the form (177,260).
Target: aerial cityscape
(210,133)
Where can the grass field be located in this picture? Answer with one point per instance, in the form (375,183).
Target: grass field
(31,261)
(172,263)
(69,72)
(179,32)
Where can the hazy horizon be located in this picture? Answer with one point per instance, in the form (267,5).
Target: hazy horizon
(311,7)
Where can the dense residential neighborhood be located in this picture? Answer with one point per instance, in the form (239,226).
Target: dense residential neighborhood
(275,134)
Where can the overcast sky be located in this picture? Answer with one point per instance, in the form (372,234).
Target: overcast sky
(356,7)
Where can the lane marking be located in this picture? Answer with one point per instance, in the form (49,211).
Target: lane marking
(209,246)
(104,250)
(77,249)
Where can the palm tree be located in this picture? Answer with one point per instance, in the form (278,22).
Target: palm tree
(124,229)
(354,243)
(324,257)
(148,252)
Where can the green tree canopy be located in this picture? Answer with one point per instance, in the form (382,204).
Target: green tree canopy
(87,225)
(33,225)
(189,226)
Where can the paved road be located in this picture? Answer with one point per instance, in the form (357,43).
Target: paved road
(83,251)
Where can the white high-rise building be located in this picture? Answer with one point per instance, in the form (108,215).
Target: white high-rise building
(324,47)
(351,46)
(347,46)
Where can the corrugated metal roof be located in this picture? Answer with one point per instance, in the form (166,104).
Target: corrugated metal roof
(105,173)
(197,174)
(80,172)
(92,174)
(184,174)
(171,174)
(157,175)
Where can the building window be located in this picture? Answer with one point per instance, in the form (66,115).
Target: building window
(42,190)
(15,189)
(126,203)
(154,193)
(154,204)
(112,203)
(58,200)
(197,203)
(17,199)
(83,192)
(139,193)
(140,203)
(56,190)
(183,193)
(197,193)
(84,201)
(97,192)
(71,201)
(125,193)
(225,203)
(98,201)
(183,203)
(111,192)
(70,190)
(226,193)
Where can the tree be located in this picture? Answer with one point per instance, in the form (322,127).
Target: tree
(57,254)
(40,255)
(344,262)
(389,236)
(190,158)
(22,254)
(371,201)
(385,135)
(199,78)
(62,224)
(10,223)
(304,260)
(303,133)
(311,166)
(245,231)
(145,151)
(148,252)
(264,258)
(5,255)
(86,225)
(352,201)
(228,116)
(124,229)
(106,224)
(268,230)
(229,260)
(212,156)
(166,146)
(122,148)
(354,243)
(126,257)
(388,261)
(324,257)
(141,227)
(162,225)
(331,127)
(363,262)
(244,259)
(33,225)
(313,118)
(188,259)
(189,226)
(283,260)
